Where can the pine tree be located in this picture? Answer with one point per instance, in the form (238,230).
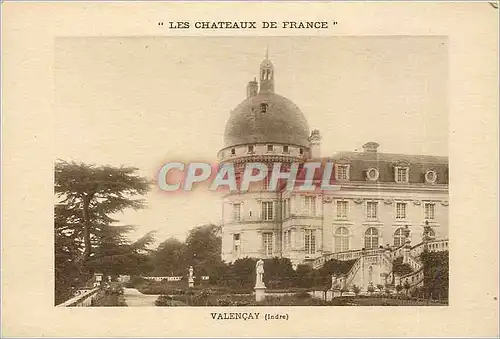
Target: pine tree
(86,233)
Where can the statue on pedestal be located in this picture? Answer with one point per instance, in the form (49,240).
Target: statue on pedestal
(259,270)
(190,277)
(259,281)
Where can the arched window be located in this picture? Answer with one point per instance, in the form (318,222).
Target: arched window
(370,274)
(399,237)
(341,239)
(371,238)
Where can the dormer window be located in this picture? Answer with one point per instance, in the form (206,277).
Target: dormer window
(342,172)
(233,151)
(430,177)
(270,148)
(263,107)
(250,149)
(285,149)
(401,174)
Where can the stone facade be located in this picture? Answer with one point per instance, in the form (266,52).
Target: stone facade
(380,193)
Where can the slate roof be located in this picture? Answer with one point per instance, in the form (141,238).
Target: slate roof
(283,122)
(360,162)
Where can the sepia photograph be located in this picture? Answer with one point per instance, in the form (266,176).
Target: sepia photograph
(135,223)
(234,169)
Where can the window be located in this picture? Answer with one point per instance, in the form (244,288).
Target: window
(236,212)
(341,239)
(301,151)
(400,210)
(371,238)
(310,241)
(287,239)
(342,172)
(267,243)
(429,209)
(372,174)
(341,209)
(399,237)
(371,209)
(233,151)
(310,205)
(430,177)
(286,208)
(270,148)
(236,243)
(401,174)
(267,210)
(285,149)
(250,149)
(263,107)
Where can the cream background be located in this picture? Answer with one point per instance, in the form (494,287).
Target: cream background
(29,149)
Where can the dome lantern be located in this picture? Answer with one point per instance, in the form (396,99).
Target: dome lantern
(266,75)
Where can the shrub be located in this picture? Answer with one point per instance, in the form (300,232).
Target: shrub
(302,295)
(399,268)
(228,301)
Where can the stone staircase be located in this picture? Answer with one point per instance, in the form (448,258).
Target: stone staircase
(374,266)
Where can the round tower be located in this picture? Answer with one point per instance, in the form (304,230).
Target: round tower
(264,128)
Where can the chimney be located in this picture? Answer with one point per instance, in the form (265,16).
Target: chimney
(252,88)
(370,147)
(315,144)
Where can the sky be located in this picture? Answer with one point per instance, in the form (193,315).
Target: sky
(144,101)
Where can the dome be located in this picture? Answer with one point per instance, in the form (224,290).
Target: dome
(266,63)
(266,118)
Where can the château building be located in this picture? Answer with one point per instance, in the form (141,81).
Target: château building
(381,195)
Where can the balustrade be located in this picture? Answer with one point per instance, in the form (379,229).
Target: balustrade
(82,299)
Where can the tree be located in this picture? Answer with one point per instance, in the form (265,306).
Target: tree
(170,258)
(278,273)
(380,287)
(399,288)
(203,248)
(336,267)
(436,274)
(304,276)
(242,273)
(85,230)
(125,258)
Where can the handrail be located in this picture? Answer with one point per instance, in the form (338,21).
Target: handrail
(82,299)
(352,272)
(419,274)
(432,245)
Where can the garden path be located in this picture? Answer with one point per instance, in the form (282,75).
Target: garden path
(134,298)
